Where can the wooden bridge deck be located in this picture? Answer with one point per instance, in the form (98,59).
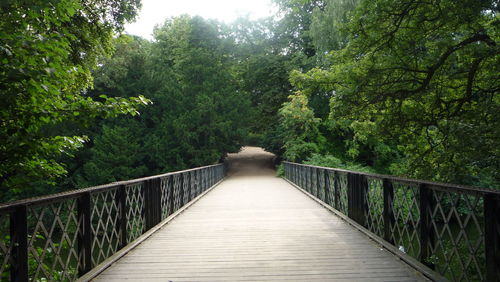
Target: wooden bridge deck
(257,227)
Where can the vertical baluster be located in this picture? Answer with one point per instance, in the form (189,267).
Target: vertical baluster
(318,184)
(19,243)
(326,188)
(193,184)
(336,189)
(152,202)
(492,236)
(171,193)
(308,179)
(121,226)
(350,196)
(181,190)
(188,186)
(426,235)
(389,218)
(295,174)
(146,193)
(198,172)
(357,187)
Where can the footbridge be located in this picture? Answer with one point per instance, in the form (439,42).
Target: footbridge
(238,221)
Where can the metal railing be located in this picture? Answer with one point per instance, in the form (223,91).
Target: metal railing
(63,236)
(452,229)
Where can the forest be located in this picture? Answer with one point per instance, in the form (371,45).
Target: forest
(401,87)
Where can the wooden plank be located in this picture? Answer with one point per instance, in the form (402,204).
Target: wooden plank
(258,227)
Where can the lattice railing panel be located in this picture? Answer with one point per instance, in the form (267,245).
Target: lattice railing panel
(198,182)
(458,231)
(453,229)
(404,232)
(177,190)
(321,184)
(342,192)
(104,217)
(166,195)
(192,180)
(52,241)
(136,221)
(314,182)
(185,188)
(61,236)
(375,201)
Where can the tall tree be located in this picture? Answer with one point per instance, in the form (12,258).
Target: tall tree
(425,76)
(48,49)
(199,114)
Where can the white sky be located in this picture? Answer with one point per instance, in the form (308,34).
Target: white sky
(156,11)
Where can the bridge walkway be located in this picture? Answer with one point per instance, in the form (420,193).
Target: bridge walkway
(257,227)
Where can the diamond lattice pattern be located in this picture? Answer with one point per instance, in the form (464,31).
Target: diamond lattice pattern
(166,194)
(375,201)
(405,230)
(135,211)
(105,219)
(457,227)
(52,241)
(342,192)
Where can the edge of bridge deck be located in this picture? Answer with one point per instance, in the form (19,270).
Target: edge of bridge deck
(122,252)
(413,263)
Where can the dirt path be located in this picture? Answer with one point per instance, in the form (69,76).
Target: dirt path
(251,161)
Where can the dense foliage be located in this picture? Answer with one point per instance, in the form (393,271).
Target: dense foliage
(47,52)
(418,80)
(391,86)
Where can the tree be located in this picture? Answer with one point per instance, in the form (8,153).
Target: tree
(116,155)
(426,75)
(326,29)
(48,49)
(199,113)
(302,138)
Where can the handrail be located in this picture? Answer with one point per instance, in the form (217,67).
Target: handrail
(452,229)
(74,193)
(441,185)
(63,236)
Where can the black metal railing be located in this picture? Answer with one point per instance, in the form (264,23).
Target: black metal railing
(454,230)
(61,237)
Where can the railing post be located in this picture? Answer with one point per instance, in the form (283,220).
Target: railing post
(304,177)
(492,236)
(295,174)
(19,243)
(181,190)
(357,187)
(121,202)
(363,192)
(198,181)
(310,179)
(351,187)
(188,187)
(85,233)
(171,193)
(192,181)
(152,202)
(326,188)
(146,191)
(389,218)
(318,182)
(426,236)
